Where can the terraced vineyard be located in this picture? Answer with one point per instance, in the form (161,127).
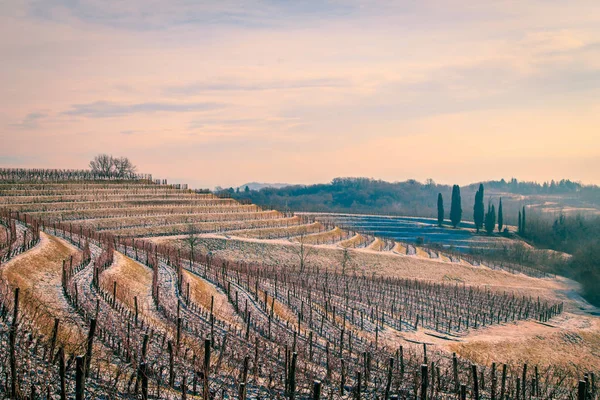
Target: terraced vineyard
(412,229)
(101,298)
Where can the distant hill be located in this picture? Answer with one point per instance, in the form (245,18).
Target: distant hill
(413,198)
(259,185)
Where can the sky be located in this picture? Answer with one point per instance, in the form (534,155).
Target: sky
(228,92)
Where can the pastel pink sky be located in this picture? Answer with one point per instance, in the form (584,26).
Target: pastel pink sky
(227,92)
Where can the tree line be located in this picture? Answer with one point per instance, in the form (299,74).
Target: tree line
(408,198)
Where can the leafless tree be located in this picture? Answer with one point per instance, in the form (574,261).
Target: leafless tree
(124,167)
(102,164)
(303,252)
(107,165)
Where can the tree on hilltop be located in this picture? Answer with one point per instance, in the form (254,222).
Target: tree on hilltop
(456,207)
(107,165)
(440,208)
(102,164)
(123,167)
(478,208)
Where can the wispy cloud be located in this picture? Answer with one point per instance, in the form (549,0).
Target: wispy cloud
(31,121)
(16,160)
(155,15)
(266,124)
(550,41)
(229,85)
(107,109)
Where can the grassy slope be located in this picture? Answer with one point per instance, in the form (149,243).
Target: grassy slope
(133,280)
(38,275)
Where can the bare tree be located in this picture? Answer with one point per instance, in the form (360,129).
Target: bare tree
(303,252)
(124,168)
(102,164)
(107,165)
(192,241)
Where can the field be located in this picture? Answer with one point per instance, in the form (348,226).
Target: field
(161,292)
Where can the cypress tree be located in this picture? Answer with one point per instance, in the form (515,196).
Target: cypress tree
(478,208)
(520,224)
(490,219)
(523,222)
(456,206)
(440,206)
(500,216)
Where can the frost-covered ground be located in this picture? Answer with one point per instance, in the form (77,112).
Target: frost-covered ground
(413,229)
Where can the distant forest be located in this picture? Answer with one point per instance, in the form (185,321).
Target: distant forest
(410,198)
(574,235)
(577,236)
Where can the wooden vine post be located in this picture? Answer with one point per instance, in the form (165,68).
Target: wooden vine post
(61,372)
(12,345)
(316,390)
(424,381)
(293,376)
(207,348)
(79,378)
(388,384)
(90,345)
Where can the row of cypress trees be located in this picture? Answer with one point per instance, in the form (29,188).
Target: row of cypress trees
(455,207)
(481,218)
(487,219)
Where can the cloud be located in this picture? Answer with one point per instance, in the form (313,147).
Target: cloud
(158,15)
(223,85)
(552,41)
(14,160)
(274,125)
(107,109)
(31,121)
(236,122)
